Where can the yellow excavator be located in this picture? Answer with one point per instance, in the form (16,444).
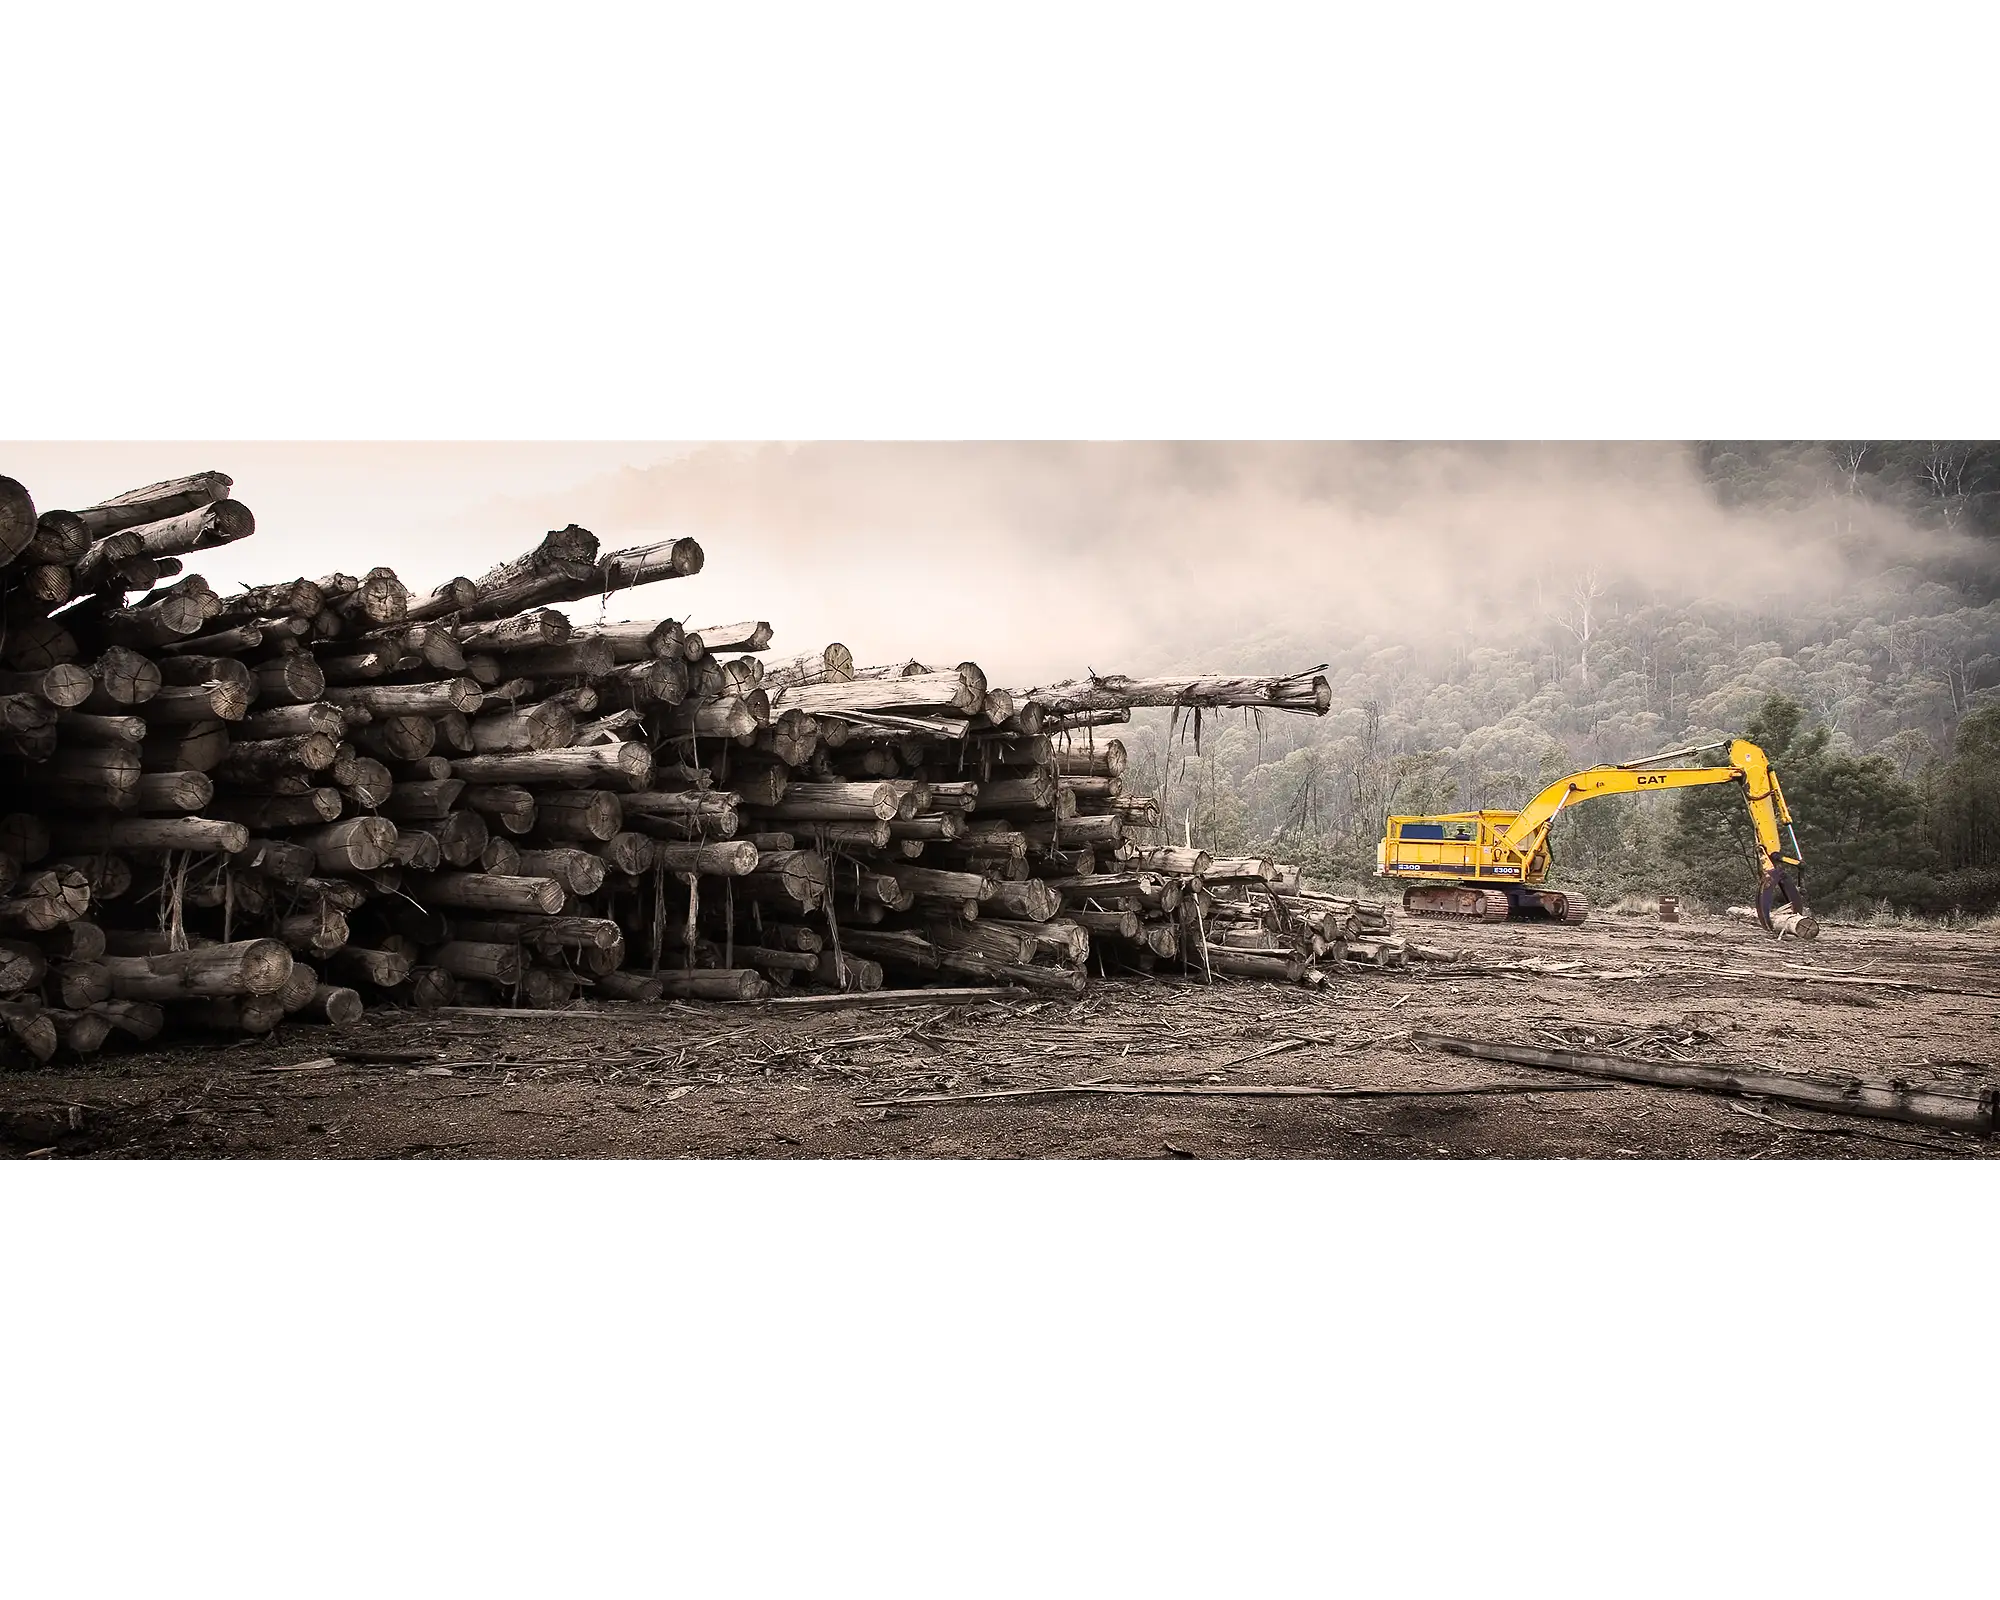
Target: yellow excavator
(1491,865)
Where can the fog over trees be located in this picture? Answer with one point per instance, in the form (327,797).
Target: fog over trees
(1877,693)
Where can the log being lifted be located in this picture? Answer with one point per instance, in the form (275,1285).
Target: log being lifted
(1307,692)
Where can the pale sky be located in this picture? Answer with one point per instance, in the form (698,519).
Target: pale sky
(1040,561)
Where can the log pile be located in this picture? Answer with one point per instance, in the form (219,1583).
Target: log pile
(329,792)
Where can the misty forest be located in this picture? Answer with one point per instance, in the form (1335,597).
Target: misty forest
(1870,673)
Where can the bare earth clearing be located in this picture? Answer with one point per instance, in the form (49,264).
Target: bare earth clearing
(779,1080)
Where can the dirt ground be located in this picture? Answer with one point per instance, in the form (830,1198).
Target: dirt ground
(791,1081)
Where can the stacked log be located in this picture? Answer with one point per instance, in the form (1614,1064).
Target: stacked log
(327,793)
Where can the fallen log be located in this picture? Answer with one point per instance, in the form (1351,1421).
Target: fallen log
(1966,1110)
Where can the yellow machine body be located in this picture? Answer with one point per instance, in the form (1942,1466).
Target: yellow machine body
(1492,865)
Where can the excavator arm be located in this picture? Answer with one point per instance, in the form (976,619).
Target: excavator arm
(1777,844)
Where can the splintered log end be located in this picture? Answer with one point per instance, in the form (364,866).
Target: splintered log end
(17,519)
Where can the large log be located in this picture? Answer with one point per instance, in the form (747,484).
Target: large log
(735,718)
(1180,860)
(360,844)
(123,679)
(109,876)
(278,859)
(796,875)
(190,747)
(528,630)
(385,969)
(102,777)
(293,678)
(17,519)
(247,967)
(1306,692)
(489,963)
(462,837)
(183,705)
(544,933)
(45,586)
(1966,1109)
(932,691)
(60,537)
(558,568)
(651,563)
(299,598)
(629,761)
(203,528)
(320,929)
(630,986)
(279,811)
(446,600)
(725,983)
(398,738)
(424,801)
(543,726)
(578,816)
(930,883)
(29,1026)
(720,636)
(375,600)
(633,642)
(1025,900)
(998,944)
(202,834)
(155,502)
(289,721)
(630,853)
(330,1003)
(28,726)
(45,899)
(509,805)
(409,699)
(62,686)
(252,763)
(839,802)
(733,859)
(578,871)
(480,891)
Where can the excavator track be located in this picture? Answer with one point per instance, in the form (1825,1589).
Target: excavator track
(1551,905)
(1455,900)
(1464,903)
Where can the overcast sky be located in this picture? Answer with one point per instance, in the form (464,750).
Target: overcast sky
(1038,560)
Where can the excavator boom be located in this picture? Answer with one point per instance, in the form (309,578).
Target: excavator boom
(1477,863)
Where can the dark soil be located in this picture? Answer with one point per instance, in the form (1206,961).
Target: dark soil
(792,1081)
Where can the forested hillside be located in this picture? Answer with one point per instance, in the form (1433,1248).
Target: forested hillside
(1849,620)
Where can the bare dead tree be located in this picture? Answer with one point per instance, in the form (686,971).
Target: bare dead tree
(1579,621)
(1944,469)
